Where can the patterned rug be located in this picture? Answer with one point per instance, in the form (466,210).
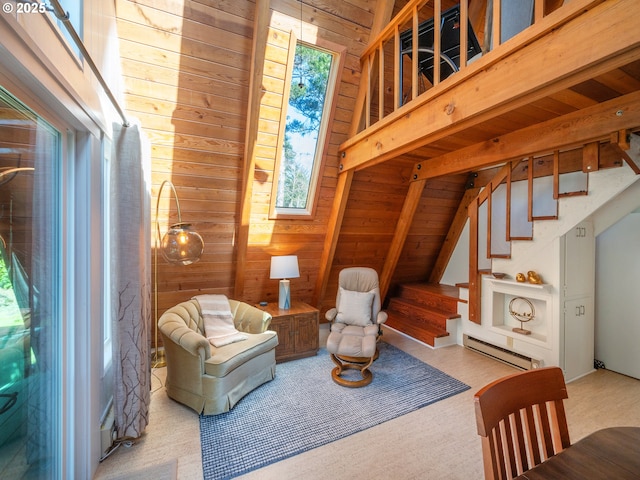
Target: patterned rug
(302,408)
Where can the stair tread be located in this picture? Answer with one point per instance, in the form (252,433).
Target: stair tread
(413,304)
(419,332)
(440,289)
(425,327)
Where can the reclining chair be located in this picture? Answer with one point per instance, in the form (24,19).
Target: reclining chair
(355,325)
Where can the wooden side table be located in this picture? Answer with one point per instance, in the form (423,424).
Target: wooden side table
(297,328)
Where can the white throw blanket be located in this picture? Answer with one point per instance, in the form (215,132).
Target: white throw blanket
(218,321)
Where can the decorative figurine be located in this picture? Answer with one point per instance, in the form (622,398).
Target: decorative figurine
(520,277)
(533,277)
(524,316)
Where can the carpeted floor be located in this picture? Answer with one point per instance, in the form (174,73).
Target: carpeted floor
(302,408)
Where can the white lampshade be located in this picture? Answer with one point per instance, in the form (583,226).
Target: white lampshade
(284,266)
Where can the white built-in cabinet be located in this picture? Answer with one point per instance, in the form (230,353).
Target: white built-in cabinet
(578,292)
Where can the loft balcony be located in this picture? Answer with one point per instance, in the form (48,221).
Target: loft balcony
(545,76)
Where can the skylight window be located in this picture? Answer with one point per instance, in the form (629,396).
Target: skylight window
(73,9)
(311,84)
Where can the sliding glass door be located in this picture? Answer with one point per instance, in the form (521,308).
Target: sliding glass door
(31,341)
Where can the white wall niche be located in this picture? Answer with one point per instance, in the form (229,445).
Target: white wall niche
(540,296)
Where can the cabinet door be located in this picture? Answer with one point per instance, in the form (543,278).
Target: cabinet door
(283,326)
(307,332)
(578,337)
(580,260)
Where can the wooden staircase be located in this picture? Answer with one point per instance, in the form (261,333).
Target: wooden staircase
(422,311)
(546,179)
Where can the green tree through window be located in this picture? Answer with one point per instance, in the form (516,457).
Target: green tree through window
(307,98)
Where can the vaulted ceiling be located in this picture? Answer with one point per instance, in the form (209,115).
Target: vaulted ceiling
(189,68)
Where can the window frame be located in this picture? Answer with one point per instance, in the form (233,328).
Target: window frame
(75,10)
(331,96)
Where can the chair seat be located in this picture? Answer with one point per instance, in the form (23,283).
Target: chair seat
(352,341)
(227,358)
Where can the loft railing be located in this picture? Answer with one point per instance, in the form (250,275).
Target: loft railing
(399,64)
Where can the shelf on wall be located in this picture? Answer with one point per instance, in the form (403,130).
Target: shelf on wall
(540,286)
(541,295)
(533,338)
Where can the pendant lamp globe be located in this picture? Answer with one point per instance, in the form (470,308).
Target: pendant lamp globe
(181,245)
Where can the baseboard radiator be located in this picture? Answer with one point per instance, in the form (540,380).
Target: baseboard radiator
(501,354)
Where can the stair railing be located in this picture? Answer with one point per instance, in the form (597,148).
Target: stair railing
(576,163)
(383,61)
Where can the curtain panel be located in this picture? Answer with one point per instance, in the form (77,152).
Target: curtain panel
(131,279)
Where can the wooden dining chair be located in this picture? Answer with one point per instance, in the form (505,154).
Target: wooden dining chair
(521,421)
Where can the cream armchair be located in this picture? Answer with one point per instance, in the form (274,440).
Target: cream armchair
(355,324)
(209,379)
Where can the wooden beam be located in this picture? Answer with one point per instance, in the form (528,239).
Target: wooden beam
(576,128)
(556,174)
(380,20)
(464,32)
(331,239)
(437,15)
(530,189)
(411,202)
(474,276)
(453,235)
(496,84)
(538,11)
(625,156)
(260,32)
(504,174)
(591,157)
(622,139)
(623,143)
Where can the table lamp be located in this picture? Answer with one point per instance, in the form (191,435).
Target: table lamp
(284,267)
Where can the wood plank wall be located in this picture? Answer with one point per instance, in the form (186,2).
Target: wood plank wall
(431,223)
(186,71)
(186,74)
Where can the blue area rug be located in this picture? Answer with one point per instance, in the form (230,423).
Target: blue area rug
(302,408)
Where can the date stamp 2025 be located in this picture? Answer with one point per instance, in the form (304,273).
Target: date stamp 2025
(24,7)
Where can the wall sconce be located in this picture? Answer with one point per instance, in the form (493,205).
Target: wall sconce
(181,246)
(284,267)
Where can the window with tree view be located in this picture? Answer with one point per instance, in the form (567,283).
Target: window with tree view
(305,130)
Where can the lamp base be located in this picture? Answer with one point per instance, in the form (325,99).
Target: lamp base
(284,295)
(158,360)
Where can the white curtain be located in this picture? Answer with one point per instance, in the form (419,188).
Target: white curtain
(131,279)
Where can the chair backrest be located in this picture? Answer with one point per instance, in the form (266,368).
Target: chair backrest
(363,280)
(522,421)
